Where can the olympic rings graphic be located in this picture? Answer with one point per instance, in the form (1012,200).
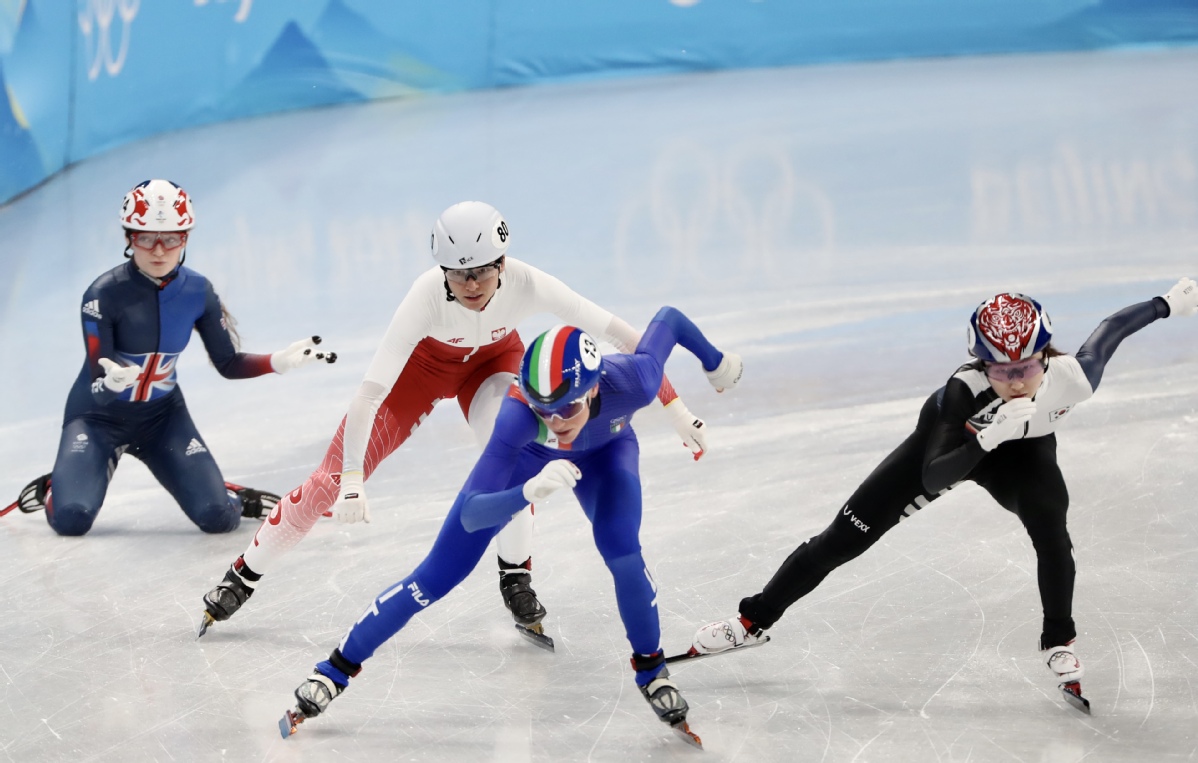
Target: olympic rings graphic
(733,220)
(97,17)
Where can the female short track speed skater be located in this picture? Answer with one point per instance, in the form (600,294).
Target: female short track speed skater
(564,424)
(137,319)
(453,335)
(994,424)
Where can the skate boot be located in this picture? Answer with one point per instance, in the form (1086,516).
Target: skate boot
(255,504)
(734,633)
(1063,663)
(230,593)
(32,497)
(662,694)
(314,695)
(515,584)
(312,698)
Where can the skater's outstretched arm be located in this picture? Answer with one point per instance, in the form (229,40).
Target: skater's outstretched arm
(1098,349)
(670,327)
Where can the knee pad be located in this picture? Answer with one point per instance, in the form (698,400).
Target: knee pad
(71,519)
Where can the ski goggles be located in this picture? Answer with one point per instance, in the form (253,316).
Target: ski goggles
(566,412)
(148,239)
(1024,370)
(479,274)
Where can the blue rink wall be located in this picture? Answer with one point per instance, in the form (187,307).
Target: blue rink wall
(81,77)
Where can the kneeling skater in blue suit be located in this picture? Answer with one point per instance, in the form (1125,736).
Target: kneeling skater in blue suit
(564,424)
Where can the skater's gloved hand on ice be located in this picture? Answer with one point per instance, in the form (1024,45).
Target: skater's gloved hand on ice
(727,374)
(690,427)
(1009,422)
(554,476)
(298,354)
(350,506)
(1182,298)
(118,378)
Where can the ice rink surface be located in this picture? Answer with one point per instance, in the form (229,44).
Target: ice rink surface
(834,225)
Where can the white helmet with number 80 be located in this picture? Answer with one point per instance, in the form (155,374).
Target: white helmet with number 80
(468,235)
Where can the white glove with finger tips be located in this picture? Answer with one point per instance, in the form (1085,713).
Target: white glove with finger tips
(119,378)
(299,354)
(554,476)
(688,426)
(351,506)
(1182,298)
(1009,423)
(727,374)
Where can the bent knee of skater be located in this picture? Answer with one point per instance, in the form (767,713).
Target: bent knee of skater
(217,519)
(1054,543)
(616,549)
(71,519)
(632,562)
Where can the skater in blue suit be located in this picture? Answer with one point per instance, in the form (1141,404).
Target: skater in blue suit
(137,319)
(565,423)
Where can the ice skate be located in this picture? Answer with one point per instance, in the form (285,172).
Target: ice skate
(32,498)
(312,698)
(521,601)
(230,593)
(1064,664)
(520,598)
(663,696)
(722,636)
(255,504)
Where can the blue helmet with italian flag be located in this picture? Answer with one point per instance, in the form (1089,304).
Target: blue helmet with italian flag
(559,367)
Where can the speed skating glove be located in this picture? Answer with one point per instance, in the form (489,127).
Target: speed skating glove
(350,506)
(554,476)
(1182,298)
(1009,422)
(299,354)
(727,374)
(119,378)
(688,426)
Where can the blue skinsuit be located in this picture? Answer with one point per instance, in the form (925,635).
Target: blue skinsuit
(135,320)
(606,452)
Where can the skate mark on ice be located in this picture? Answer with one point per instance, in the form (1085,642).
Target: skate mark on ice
(607,724)
(865,746)
(46,721)
(1151,678)
(1119,659)
(972,652)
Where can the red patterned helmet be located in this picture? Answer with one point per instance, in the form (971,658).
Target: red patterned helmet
(1008,327)
(157,205)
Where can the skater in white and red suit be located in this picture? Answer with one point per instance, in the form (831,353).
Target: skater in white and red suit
(994,424)
(453,335)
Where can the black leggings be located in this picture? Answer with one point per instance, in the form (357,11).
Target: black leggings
(1022,475)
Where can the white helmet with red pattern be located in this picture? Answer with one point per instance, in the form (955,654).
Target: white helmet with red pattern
(1008,327)
(157,205)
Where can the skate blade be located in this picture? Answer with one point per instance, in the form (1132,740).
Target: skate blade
(1072,692)
(536,634)
(683,730)
(205,621)
(693,654)
(290,722)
